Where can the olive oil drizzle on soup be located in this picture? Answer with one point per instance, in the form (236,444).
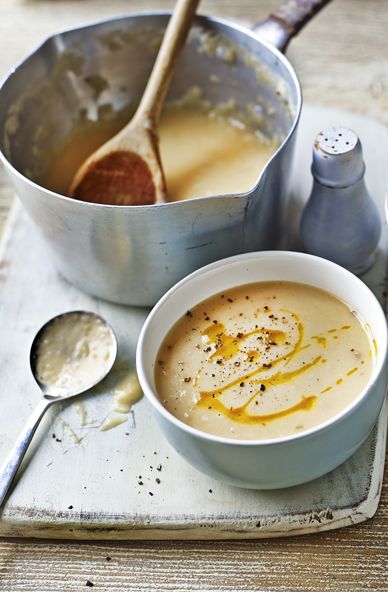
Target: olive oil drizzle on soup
(264,360)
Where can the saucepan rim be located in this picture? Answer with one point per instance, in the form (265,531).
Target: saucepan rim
(199,18)
(150,391)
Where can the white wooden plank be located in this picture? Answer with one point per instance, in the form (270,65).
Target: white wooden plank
(98,476)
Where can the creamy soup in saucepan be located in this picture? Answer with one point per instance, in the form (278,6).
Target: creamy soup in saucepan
(202,155)
(264,360)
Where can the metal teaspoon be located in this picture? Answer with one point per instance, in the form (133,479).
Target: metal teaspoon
(65,362)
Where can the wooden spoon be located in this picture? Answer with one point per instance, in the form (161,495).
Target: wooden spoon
(127,170)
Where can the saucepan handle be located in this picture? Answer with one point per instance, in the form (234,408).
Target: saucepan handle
(286,21)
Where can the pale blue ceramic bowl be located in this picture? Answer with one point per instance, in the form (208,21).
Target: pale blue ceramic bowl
(282,462)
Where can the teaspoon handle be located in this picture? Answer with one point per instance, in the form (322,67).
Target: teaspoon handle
(11,464)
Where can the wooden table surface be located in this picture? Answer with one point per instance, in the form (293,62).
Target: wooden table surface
(342,60)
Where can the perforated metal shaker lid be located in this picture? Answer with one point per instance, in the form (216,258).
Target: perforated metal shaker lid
(337,157)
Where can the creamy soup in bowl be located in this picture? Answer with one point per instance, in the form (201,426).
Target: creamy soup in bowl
(264,360)
(267,369)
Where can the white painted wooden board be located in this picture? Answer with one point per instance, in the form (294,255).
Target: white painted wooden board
(89,489)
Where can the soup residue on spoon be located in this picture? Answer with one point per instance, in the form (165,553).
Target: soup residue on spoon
(73,350)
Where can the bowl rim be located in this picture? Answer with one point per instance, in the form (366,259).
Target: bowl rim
(200,18)
(150,392)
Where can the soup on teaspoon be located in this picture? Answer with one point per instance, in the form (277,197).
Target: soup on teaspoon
(264,361)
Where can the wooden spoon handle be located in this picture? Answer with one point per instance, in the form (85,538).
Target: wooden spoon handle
(173,41)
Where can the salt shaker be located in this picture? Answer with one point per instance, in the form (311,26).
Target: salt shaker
(340,221)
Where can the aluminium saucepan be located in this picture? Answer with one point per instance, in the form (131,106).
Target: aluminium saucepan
(133,254)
